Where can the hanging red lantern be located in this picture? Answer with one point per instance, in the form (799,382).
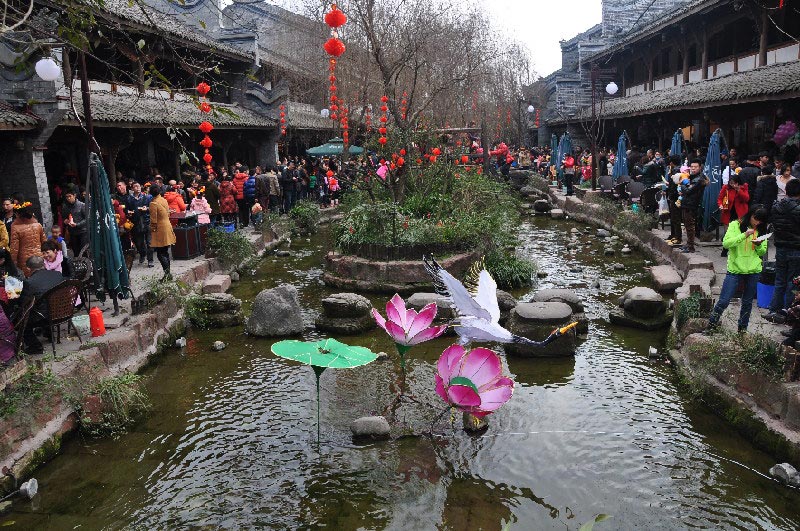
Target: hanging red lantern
(203,88)
(403,152)
(464,159)
(208,158)
(335,18)
(400,161)
(382,130)
(334,107)
(283,120)
(384,108)
(282,107)
(382,140)
(384,119)
(205,107)
(334,47)
(206,127)
(206,142)
(334,117)
(384,99)
(436,151)
(332,79)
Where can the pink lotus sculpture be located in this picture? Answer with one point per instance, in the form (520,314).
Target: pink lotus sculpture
(407,327)
(472,380)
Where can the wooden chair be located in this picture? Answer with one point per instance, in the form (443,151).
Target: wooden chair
(130,257)
(82,271)
(648,200)
(620,191)
(19,324)
(635,190)
(60,302)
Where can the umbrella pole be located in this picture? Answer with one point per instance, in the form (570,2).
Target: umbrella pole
(318,372)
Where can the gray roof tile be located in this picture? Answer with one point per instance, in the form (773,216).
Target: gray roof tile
(14,119)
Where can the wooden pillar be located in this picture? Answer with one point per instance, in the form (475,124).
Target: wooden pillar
(704,57)
(650,73)
(686,48)
(762,43)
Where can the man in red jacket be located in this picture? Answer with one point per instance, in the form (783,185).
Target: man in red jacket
(239,179)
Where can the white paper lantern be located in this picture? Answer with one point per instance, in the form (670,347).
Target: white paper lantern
(325,113)
(531,109)
(47,69)
(612,88)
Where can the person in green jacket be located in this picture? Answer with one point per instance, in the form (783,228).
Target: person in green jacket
(744,265)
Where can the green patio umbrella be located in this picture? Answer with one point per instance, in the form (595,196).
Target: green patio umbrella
(334,146)
(108,263)
(321,355)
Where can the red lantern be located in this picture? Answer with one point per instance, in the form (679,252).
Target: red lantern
(384,99)
(436,151)
(329,173)
(283,120)
(464,159)
(208,158)
(203,88)
(334,107)
(206,127)
(334,47)
(400,161)
(384,119)
(382,140)
(332,79)
(382,130)
(205,107)
(384,108)
(283,132)
(282,107)
(332,88)
(206,142)
(335,18)
(334,117)
(433,159)
(334,98)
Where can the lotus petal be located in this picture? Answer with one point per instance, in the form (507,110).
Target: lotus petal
(482,366)
(379,318)
(396,310)
(463,396)
(427,335)
(440,389)
(422,320)
(494,398)
(448,362)
(396,332)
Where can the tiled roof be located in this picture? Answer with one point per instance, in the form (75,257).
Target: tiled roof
(304,116)
(650,26)
(140,13)
(759,83)
(116,108)
(13,119)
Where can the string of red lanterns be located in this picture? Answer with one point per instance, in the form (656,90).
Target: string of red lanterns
(384,118)
(368,118)
(205,126)
(345,125)
(404,105)
(334,47)
(283,119)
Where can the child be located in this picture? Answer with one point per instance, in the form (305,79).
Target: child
(54,258)
(55,235)
(684,181)
(256,214)
(333,186)
(201,207)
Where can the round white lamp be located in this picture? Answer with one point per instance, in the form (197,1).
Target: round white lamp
(47,69)
(325,113)
(531,109)
(612,88)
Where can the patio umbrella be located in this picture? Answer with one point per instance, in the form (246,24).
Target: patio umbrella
(110,271)
(676,148)
(553,149)
(334,146)
(621,162)
(712,170)
(321,355)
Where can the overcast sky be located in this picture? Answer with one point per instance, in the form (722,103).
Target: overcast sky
(540,24)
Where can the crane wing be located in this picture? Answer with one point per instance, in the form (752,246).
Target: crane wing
(448,286)
(487,295)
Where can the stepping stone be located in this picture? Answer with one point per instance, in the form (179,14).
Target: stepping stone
(666,278)
(216,284)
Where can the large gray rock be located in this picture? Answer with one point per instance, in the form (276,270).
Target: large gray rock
(341,305)
(542,205)
(567,296)
(786,474)
(348,326)
(276,312)
(557,213)
(217,310)
(620,317)
(666,278)
(535,321)
(644,303)
(418,301)
(505,301)
(370,428)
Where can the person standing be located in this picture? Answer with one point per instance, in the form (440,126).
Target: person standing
(227,201)
(783,179)
(74,214)
(673,179)
(262,190)
(239,178)
(733,201)
(692,197)
(249,197)
(568,165)
(8,215)
(288,184)
(766,189)
(274,191)
(744,266)
(27,237)
(786,224)
(138,208)
(212,196)
(161,234)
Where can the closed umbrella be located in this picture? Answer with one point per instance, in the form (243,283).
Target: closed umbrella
(676,148)
(334,146)
(108,263)
(712,170)
(620,168)
(553,149)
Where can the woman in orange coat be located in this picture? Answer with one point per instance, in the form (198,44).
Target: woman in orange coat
(174,201)
(227,200)
(161,234)
(27,236)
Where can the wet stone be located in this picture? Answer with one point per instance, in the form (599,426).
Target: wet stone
(217,346)
(372,428)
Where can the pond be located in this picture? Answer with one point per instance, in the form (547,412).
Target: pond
(232,441)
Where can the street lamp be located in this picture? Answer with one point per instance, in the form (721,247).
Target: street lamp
(531,109)
(47,69)
(612,88)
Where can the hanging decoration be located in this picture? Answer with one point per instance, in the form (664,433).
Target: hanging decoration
(383,119)
(536,121)
(368,118)
(205,126)
(283,119)
(404,106)
(334,47)
(344,122)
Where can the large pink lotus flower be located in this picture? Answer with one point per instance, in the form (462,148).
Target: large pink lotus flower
(407,327)
(472,380)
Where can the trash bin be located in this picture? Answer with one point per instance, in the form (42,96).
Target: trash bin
(766,285)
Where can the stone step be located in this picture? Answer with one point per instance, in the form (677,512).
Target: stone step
(666,278)
(216,283)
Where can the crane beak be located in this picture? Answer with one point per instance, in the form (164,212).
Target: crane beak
(567,328)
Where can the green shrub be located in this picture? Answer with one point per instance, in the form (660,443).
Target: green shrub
(744,352)
(305,215)
(25,392)
(510,271)
(688,308)
(232,249)
(122,398)
(636,223)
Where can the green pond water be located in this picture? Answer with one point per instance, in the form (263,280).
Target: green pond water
(231,441)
